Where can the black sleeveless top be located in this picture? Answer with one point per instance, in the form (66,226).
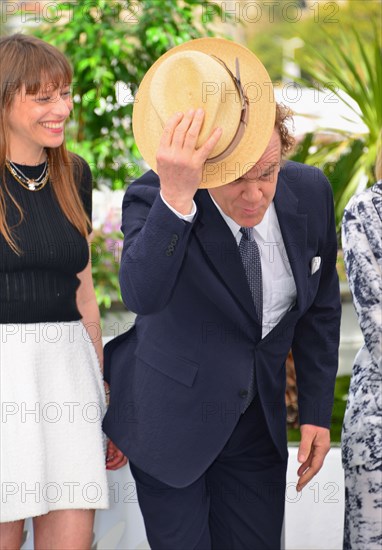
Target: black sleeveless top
(40,284)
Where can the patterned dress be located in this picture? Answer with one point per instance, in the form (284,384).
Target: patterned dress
(362,428)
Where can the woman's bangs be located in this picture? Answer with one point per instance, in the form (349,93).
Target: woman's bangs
(47,72)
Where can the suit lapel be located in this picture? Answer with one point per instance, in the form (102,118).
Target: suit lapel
(222,251)
(294,231)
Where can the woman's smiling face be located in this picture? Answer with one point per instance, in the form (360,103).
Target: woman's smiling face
(36,121)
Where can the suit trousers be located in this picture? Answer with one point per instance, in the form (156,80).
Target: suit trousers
(237,504)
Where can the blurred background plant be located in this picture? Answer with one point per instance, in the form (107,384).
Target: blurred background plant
(341,67)
(106,249)
(305,19)
(111,44)
(353,73)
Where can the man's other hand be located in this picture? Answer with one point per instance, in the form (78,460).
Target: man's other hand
(314,446)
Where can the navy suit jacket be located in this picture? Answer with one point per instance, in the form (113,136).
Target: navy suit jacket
(179,377)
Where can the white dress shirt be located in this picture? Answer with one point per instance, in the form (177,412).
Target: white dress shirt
(279,288)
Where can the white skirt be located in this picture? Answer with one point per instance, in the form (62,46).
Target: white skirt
(52,406)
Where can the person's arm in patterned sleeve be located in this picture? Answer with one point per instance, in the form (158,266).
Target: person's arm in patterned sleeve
(362,245)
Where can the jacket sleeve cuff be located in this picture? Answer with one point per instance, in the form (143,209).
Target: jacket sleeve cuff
(188,217)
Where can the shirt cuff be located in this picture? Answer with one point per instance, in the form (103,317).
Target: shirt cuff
(188,217)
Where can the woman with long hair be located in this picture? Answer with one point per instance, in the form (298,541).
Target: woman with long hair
(52,394)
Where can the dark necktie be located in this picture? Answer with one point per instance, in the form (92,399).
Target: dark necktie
(250,256)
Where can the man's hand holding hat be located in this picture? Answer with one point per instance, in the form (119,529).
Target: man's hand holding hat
(179,161)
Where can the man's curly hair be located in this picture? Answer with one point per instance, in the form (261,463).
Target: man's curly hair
(283,116)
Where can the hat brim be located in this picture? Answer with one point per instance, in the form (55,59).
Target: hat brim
(258,87)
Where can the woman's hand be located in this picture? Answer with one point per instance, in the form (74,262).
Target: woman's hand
(115,458)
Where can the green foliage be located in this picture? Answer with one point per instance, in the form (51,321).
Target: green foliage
(338,58)
(109,42)
(281,21)
(355,69)
(106,251)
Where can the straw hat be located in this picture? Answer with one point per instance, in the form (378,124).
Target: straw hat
(229,83)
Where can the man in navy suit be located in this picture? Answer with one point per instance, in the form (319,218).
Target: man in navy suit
(198,384)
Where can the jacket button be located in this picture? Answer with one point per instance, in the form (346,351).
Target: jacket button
(174,238)
(243,394)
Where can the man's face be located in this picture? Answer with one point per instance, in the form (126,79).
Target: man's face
(246,199)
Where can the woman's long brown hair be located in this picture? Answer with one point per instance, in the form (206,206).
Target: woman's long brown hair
(29,62)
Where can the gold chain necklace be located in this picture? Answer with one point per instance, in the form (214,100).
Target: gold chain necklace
(31,184)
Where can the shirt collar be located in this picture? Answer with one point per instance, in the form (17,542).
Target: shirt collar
(261,228)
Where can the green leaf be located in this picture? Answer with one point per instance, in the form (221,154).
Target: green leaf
(356,68)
